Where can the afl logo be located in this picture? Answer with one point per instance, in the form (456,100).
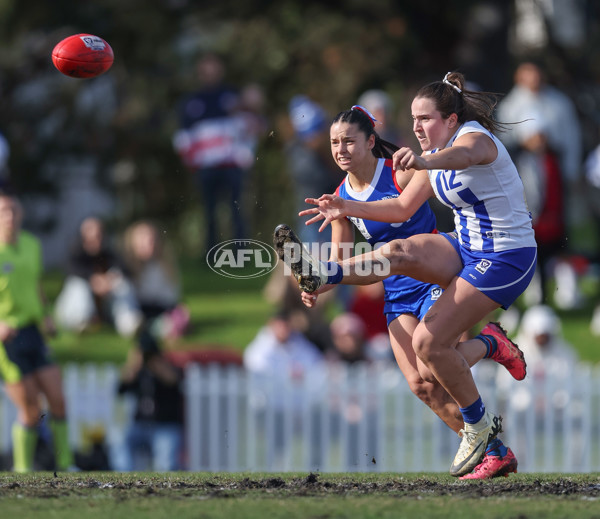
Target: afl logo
(242,259)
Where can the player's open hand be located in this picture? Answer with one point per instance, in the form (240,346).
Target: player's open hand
(328,208)
(405,159)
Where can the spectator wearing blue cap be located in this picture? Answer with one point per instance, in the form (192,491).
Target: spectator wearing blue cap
(309,161)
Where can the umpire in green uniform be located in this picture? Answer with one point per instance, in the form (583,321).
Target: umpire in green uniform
(25,364)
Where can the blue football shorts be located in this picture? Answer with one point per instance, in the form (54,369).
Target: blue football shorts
(418,304)
(502,276)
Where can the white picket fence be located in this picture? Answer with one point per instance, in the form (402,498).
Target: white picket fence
(358,418)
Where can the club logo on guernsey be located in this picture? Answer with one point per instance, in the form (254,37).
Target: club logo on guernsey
(483,265)
(242,259)
(7,268)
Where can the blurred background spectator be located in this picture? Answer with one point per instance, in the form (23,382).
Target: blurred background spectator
(96,287)
(281,351)
(367,302)
(154,438)
(349,339)
(352,342)
(548,356)
(546,145)
(380,104)
(309,161)
(592,190)
(208,144)
(283,293)
(155,277)
(540,339)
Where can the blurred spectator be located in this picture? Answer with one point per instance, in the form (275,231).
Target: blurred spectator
(96,288)
(351,344)
(156,280)
(546,146)
(283,292)
(547,355)
(367,302)
(592,180)
(380,104)
(279,350)
(253,124)
(208,144)
(349,338)
(541,341)
(281,357)
(154,439)
(309,160)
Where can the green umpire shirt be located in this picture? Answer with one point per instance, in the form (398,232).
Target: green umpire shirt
(20,272)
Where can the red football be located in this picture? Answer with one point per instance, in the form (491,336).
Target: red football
(82,56)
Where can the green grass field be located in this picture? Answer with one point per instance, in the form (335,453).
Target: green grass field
(258,496)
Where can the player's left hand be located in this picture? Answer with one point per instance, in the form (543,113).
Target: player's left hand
(329,208)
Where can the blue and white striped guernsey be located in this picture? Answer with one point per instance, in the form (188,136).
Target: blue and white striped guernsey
(490,211)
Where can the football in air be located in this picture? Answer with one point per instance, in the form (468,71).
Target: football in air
(82,56)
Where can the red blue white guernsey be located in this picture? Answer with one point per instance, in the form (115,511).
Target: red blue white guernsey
(382,187)
(490,212)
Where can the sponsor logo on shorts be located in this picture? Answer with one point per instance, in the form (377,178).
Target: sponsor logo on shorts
(436,293)
(483,265)
(242,259)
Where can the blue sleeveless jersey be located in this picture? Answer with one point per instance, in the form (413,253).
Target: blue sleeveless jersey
(384,186)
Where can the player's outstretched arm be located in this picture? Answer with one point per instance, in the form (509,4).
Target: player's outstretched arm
(392,210)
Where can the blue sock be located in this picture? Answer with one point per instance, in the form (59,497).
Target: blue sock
(490,344)
(473,413)
(337,275)
(496,448)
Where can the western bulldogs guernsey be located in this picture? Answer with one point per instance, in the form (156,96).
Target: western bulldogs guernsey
(490,211)
(383,186)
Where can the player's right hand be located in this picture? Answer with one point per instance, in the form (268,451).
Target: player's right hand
(310,299)
(405,159)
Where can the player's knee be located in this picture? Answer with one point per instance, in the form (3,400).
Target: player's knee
(421,388)
(426,374)
(396,253)
(423,346)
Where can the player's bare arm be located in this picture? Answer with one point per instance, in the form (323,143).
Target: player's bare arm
(342,232)
(393,210)
(468,150)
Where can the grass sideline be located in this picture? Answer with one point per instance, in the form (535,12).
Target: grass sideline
(257,495)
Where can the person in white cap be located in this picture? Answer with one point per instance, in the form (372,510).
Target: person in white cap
(541,341)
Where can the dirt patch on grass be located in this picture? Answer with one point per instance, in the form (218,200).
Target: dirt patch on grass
(221,486)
